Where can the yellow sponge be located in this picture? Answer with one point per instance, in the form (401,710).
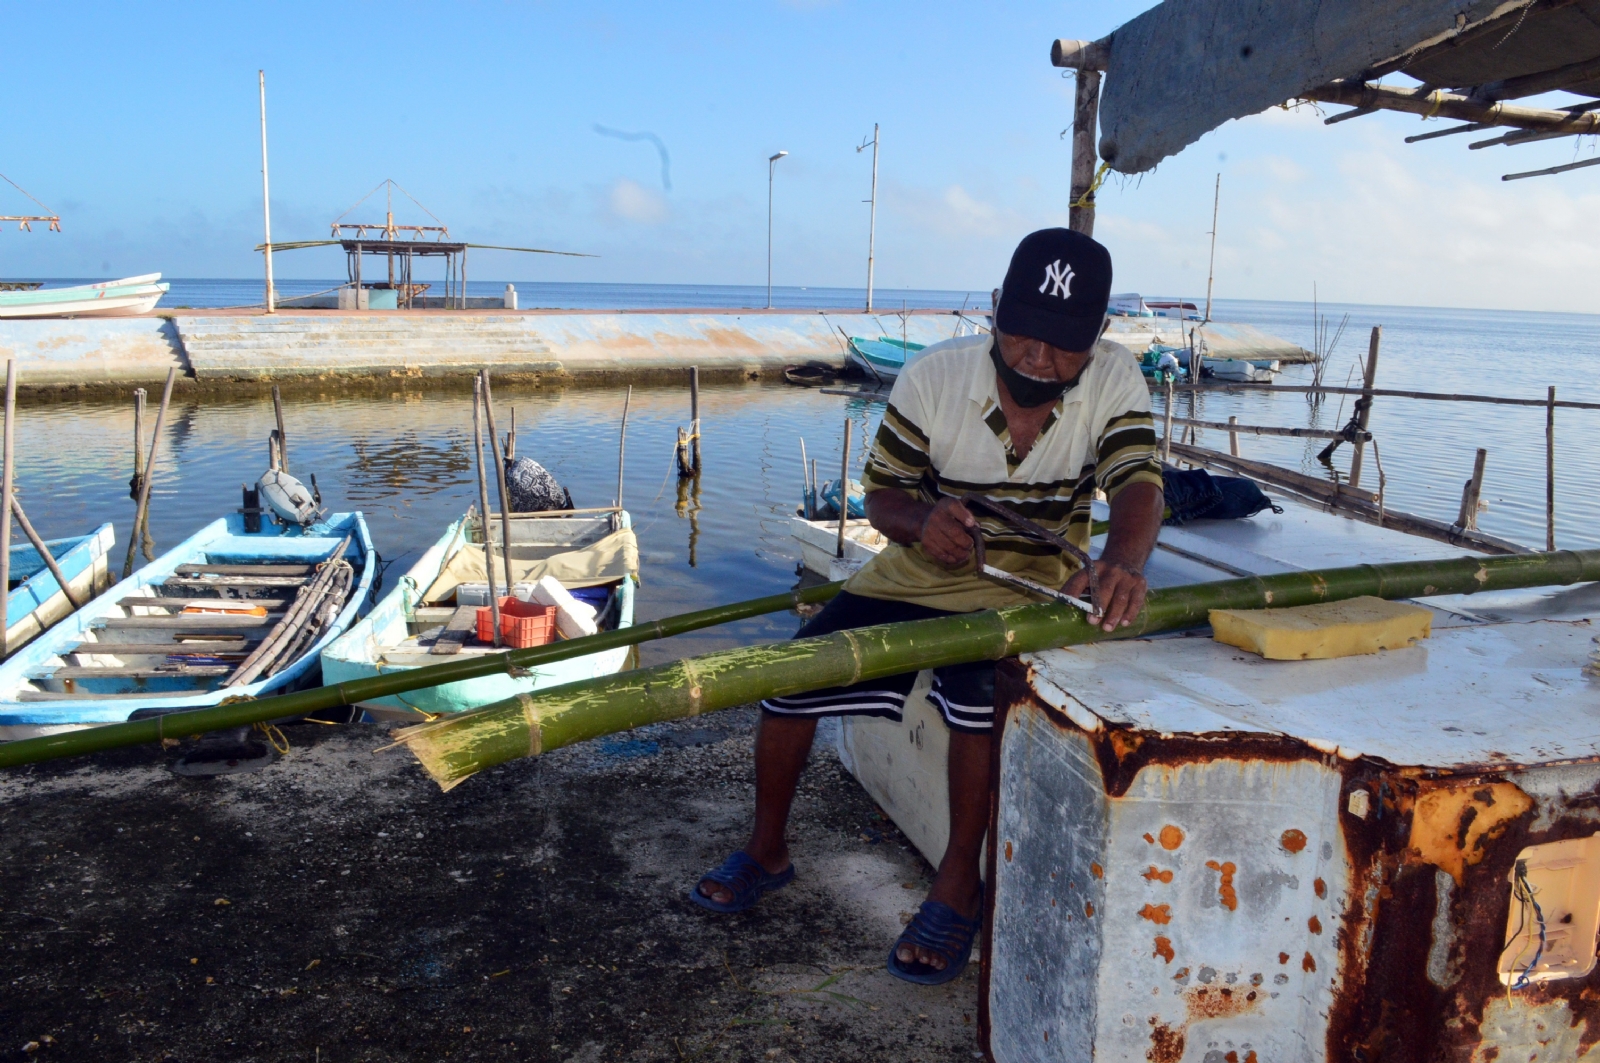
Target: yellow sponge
(1331,629)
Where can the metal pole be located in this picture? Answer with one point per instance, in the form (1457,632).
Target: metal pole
(1211,270)
(872,224)
(1550,471)
(464,295)
(266,201)
(844,488)
(772,165)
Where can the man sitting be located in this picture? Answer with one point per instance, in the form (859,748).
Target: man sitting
(1035,418)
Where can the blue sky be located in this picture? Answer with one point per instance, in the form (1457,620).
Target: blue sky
(139,126)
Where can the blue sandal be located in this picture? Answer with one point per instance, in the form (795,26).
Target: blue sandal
(747,880)
(937,928)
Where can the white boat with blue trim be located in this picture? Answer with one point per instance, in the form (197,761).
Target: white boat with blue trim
(431,614)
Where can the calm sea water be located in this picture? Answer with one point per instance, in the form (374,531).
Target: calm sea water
(404,457)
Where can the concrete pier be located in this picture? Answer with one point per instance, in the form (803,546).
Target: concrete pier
(223,348)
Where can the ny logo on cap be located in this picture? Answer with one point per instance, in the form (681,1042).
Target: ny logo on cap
(1056,279)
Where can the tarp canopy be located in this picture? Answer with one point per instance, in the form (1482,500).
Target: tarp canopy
(1185,67)
(606,561)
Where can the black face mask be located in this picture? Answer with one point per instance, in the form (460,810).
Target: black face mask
(1028,391)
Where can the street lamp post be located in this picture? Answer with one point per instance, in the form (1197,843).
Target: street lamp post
(872,225)
(772,165)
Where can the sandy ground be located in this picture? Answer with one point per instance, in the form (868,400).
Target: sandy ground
(337,906)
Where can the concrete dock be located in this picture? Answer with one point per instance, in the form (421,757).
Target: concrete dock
(224,348)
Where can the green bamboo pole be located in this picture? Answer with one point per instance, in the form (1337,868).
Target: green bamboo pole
(455,748)
(287,706)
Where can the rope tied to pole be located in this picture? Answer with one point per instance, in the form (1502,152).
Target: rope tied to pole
(1086,200)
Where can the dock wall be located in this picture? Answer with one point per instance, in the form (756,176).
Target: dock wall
(557,347)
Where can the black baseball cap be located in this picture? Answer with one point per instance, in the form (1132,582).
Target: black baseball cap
(1057,289)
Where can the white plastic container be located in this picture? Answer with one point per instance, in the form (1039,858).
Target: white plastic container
(573,618)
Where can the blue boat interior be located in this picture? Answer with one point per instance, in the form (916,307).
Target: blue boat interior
(240,609)
(27,563)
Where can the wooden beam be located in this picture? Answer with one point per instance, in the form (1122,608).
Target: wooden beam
(1534,84)
(1436,103)
(1081,55)
(1085,117)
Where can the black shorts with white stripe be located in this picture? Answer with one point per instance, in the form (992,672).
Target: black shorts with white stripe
(964,693)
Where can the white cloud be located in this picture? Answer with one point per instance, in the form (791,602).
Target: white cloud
(632,201)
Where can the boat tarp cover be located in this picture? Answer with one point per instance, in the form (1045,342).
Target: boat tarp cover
(604,561)
(1184,67)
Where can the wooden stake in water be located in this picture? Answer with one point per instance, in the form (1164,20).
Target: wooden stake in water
(511,437)
(844,489)
(1550,471)
(500,476)
(283,435)
(1367,379)
(1233,437)
(694,413)
(1472,492)
(142,514)
(139,395)
(805,473)
(1166,450)
(5,504)
(622,442)
(483,503)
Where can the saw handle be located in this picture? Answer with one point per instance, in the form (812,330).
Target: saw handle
(1032,531)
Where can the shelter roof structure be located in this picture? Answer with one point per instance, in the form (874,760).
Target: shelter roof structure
(1184,67)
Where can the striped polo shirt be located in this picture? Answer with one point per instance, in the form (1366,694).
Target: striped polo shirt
(944,435)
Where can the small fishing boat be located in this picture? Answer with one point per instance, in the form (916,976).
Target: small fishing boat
(36,600)
(127,297)
(432,613)
(227,613)
(810,376)
(882,358)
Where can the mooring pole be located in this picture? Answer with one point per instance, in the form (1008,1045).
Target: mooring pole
(283,436)
(694,414)
(142,514)
(266,201)
(1550,471)
(622,443)
(1211,270)
(1368,376)
(139,395)
(844,488)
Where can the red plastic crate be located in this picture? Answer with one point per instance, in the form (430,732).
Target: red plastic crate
(522,624)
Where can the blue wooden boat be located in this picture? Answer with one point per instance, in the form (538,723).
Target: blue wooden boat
(227,613)
(36,601)
(883,357)
(425,619)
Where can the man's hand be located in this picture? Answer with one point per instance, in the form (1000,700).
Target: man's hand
(947,532)
(1121,593)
